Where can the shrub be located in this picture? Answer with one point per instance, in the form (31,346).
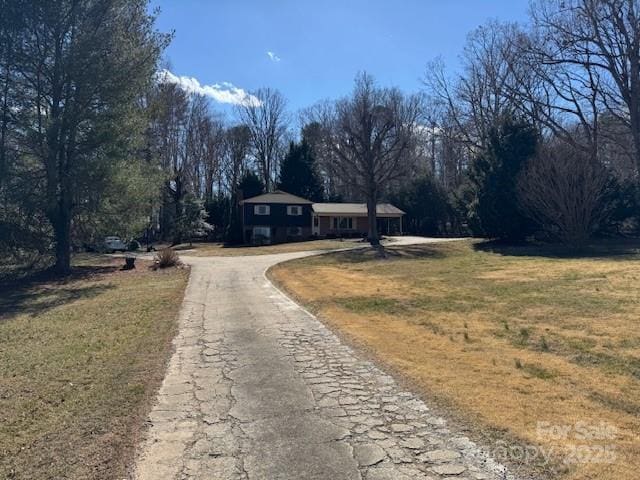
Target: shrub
(134,245)
(566,192)
(166,258)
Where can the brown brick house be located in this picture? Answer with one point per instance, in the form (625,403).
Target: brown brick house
(350,219)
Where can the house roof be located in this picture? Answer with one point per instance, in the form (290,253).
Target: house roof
(356,209)
(277,196)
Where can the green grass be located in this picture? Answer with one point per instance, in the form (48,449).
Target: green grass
(80,360)
(369,305)
(538,371)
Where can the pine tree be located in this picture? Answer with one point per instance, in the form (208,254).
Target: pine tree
(250,185)
(298,173)
(490,195)
(193,221)
(80,71)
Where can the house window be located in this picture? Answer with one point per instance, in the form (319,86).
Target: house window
(316,221)
(261,210)
(342,223)
(294,231)
(294,210)
(261,233)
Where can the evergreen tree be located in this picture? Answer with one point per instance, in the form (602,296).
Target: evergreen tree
(299,175)
(193,219)
(219,209)
(490,194)
(250,185)
(77,72)
(427,207)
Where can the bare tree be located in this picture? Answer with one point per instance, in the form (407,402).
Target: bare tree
(557,96)
(564,190)
(237,147)
(335,187)
(266,120)
(479,97)
(371,135)
(451,155)
(169,133)
(204,147)
(213,154)
(601,39)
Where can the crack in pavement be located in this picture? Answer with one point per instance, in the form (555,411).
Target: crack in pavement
(258,388)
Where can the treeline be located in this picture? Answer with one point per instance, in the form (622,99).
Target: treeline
(538,135)
(540,132)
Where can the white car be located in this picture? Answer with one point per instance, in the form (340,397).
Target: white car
(114,244)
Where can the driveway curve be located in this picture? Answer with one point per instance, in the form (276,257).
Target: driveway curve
(258,388)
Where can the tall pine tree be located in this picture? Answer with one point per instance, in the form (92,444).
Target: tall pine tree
(490,194)
(298,173)
(250,185)
(80,68)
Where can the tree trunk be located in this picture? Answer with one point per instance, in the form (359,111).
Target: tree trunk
(61,222)
(4,121)
(635,135)
(372,201)
(177,234)
(266,175)
(208,192)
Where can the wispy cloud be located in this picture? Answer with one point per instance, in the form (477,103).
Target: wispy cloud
(273,57)
(224,92)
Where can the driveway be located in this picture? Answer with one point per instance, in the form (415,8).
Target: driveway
(259,389)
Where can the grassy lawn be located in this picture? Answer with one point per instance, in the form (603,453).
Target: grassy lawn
(80,361)
(504,339)
(220,250)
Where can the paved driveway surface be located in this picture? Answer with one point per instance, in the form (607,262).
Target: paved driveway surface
(260,389)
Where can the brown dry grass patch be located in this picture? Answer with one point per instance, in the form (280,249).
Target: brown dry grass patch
(80,361)
(506,341)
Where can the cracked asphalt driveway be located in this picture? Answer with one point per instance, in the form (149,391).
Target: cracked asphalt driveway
(259,389)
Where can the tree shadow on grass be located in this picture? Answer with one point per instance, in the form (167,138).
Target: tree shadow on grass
(613,249)
(43,291)
(389,253)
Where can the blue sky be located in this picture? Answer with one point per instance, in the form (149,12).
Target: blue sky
(318,46)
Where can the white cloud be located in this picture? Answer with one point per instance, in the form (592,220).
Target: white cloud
(224,92)
(273,57)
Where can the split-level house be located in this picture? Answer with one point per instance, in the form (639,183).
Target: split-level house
(281,217)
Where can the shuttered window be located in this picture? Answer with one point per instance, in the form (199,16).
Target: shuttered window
(294,210)
(261,209)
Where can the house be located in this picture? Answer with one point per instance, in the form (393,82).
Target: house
(275,217)
(281,217)
(350,219)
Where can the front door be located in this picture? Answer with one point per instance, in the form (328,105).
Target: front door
(316,225)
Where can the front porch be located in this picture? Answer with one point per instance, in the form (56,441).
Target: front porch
(354,225)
